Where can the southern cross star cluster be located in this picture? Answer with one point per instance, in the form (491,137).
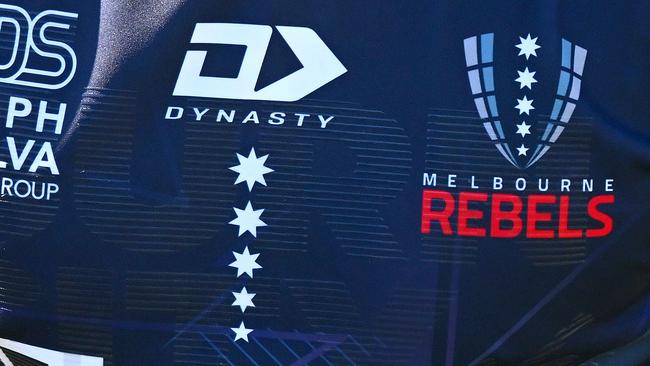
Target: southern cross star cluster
(251,170)
(527,47)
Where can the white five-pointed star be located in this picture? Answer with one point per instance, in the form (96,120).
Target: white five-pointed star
(526,79)
(524,105)
(522,150)
(241,332)
(251,169)
(245,262)
(243,299)
(523,129)
(248,219)
(527,46)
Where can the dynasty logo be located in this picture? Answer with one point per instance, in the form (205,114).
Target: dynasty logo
(319,67)
(507,206)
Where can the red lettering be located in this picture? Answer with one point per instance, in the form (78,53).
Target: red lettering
(506,219)
(499,216)
(564,231)
(442,217)
(603,218)
(534,216)
(465,213)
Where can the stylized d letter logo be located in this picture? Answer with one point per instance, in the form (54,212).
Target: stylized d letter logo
(320,66)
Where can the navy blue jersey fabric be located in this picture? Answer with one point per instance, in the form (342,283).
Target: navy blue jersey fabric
(130,260)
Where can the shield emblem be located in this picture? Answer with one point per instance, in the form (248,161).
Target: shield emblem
(479,59)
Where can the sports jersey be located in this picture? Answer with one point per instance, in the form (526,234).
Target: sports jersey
(194,182)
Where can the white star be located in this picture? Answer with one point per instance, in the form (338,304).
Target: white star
(251,169)
(522,150)
(241,332)
(524,105)
(526,79)
(245,262)
(248,219)
(523,129)
(243,299)
(527,46)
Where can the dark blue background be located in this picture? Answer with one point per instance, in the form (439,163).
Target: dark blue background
(404,59)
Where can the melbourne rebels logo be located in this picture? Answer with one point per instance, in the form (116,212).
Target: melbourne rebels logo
(470,199)
(523,151)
